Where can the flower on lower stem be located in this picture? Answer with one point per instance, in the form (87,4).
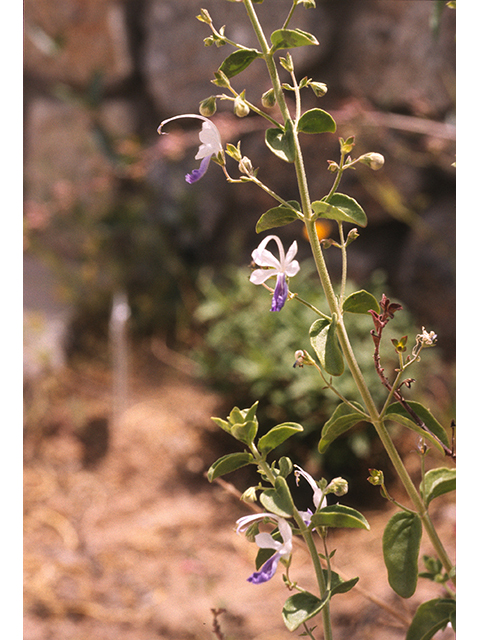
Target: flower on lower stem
(284,266)
(211,144)
(266,541)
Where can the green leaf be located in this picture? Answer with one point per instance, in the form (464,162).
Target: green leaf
(301,607)
(277,435)
(278,217)
(228,463)
(287,38)
(245,432)
(343,418)
(430,617)
(238,61)
(401,544)
(437,482)
(338,515)
(340,207)
(278,500)
(316,121)
(361,302)
(281,142)
(324,340)
(398,413)
(338,585)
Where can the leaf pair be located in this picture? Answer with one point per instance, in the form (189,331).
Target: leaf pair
(304,605)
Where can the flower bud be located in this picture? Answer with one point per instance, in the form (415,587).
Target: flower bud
(287,63)
(268,99)
(338,486)
(208,106)
(376,477)
(318,88)
(240,107)
(249,495)
(245,166)
(346,146)
(373,160)
(352,235)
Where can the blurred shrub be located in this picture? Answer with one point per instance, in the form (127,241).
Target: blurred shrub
(247,353)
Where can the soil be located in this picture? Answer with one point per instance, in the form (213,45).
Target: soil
(125,538)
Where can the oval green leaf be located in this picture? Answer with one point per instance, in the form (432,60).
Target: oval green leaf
(430,617)
(316,121)
(343,418)
(287,38)
(278,500)
(237,61)
(437,482)
(398,413)
(301,607)
(277,217)
(229,463)
(277,435)
(281,142)
(361,302)
(340,207)
(323,339)
(339,516)
(401,544)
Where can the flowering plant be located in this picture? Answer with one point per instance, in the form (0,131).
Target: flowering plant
(333,356)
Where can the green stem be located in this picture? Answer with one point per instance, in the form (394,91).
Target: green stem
(310,542)
(324,276)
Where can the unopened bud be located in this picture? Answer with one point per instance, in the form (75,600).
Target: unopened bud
(245,166)
(352,235)
(338,486)
(346,146)
(318,88)
(376,477)
(249,495)
(208,106)
(240,107)
(268,99)
(373,160)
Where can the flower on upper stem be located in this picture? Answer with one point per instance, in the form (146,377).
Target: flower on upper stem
(319,499)
(282,267)
(267,541)
(211,144)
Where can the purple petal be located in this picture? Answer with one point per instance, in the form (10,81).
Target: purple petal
(200,172)
(280,294)
(267,570)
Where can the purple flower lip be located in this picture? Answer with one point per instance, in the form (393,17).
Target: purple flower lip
(266,541)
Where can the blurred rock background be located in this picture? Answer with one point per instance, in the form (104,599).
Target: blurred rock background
(106,205)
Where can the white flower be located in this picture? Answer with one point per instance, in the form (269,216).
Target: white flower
(283,267)
(267,541)
(211,144)
(319,499)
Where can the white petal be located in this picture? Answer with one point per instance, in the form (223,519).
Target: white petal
(292,269)
(259,276)
(266,541)
(246,521)
(265,259)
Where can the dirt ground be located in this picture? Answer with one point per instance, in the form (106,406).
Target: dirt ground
(125,538)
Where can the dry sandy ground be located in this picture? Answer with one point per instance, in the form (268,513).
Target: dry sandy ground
(131,542)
